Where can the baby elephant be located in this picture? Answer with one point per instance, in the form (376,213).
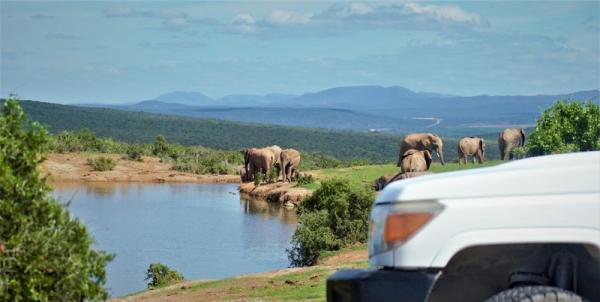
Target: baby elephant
(415,161)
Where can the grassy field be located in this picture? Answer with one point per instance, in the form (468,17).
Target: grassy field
(367,174)
(305,284)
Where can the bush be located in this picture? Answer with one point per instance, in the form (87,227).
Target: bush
(101,163)
(519,152)
(160,146)
(47,255)
(343,208)
(566,127)
(272,175)
(134,152)
(161,275)
(312,237)
(259,178)
(305,179)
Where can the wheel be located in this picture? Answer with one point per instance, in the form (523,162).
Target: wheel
(536,294)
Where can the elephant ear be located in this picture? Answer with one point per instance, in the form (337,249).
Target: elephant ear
(481,144)
(408,153)
(522,136)
(428,158)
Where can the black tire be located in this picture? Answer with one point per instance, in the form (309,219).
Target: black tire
(536,294)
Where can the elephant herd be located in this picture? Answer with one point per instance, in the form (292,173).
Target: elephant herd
(262,160)
(416,149)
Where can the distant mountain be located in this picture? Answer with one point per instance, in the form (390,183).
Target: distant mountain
(361,97)
(389,109)
(186,98)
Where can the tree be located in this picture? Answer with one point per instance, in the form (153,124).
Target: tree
(45,254)
(160,145)
(566,127)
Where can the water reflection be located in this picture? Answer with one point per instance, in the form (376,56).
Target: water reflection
(268,209)
(206,231)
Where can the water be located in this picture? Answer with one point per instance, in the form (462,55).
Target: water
(205,231)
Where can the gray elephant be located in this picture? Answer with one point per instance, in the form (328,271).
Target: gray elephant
(277,153)
(510,138)
(259,160)
(471,146)
(290,164)
(415,161)
(421,142)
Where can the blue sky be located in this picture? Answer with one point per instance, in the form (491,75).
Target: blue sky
(112,52)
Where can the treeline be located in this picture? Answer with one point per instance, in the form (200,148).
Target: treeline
(137,127)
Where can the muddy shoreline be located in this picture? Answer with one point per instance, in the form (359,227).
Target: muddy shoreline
(73,167)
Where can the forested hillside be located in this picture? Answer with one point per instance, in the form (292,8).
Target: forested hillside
(143,128)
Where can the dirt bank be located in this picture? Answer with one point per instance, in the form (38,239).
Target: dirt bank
(284,193)
(74,167)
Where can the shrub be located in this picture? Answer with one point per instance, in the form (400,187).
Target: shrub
(305,179)
(101,163)
(47,255)
(344,209)
(160,146)
(259,178)
(312,237)
(519,152)
(161,275)
(566,127)
(134,152)
(272,175)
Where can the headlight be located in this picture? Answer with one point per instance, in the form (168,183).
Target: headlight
(393,224)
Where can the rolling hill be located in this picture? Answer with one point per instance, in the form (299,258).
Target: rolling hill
(143,127)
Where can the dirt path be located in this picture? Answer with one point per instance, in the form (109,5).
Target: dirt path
(74,167)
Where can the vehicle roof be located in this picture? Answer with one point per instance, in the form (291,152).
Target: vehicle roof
(550,174)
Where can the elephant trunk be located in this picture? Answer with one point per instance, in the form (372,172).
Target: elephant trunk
(283,174)
(440,153)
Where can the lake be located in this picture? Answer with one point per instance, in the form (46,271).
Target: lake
(204,231)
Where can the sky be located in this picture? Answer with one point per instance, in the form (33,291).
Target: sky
(114,52)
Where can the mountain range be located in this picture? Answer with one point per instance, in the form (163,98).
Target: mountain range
(392,109)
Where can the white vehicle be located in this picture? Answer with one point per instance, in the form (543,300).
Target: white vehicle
(528,230)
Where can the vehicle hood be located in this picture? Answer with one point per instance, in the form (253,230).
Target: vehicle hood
(551,174)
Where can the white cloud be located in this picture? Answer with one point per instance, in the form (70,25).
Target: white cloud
(283,17)
(445,12)
(243,23)
(243,19)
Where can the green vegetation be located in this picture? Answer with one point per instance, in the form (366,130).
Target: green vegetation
(160,147)
(336,215)
(365,175)
(259,178)
(305,179)
(134,152)
(225,135)
(306,284)
(45,254)
(566,127)
(161,275)
(101,163)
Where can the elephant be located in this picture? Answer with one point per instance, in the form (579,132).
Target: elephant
(247,155)
(290,162)
(259,160)
(277,153)
(415,161)
(422,141)
(471,146)
(510,138)
(383,181)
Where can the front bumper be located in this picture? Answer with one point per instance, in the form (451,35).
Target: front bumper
(379,285)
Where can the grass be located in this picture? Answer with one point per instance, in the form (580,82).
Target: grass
(367,174)
(307,284)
